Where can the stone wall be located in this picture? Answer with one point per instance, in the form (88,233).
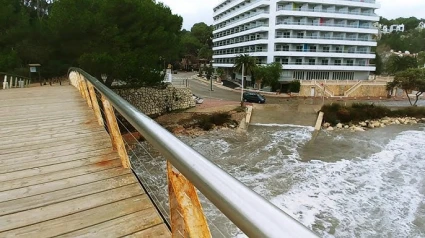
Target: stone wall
(152,101)
(369,89)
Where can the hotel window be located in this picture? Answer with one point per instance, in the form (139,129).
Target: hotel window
(300,35)
(298,61)
(285,47)
(311,61)
(337,62)
(299,48)
(338,49)
(286,34)
(350,62)
(326,48)
(313,48)
(325,62)
(285,61)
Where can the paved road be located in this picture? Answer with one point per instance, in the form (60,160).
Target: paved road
(203,90)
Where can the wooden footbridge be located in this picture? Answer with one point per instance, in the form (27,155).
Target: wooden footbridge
(63,175)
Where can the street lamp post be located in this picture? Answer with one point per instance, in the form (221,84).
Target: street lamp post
(243,70)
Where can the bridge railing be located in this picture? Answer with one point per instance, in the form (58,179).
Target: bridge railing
(187,169)
(13,80)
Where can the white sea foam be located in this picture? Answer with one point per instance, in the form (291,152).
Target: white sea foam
(378,196)
(282,125)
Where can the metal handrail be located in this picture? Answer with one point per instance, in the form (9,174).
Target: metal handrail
(14,75)
(253,214)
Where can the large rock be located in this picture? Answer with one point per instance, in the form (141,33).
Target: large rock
(330,128)
(364,124)
(339,126)
(376,124)
(397,122)
(358,129)
(346,127)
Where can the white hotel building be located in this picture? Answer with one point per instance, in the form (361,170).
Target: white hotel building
(313,39)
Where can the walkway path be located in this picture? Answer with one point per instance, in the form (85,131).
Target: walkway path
(59,175)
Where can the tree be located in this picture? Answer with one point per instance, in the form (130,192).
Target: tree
(268,74)
(247,61)
(203,33)
(409,80)
(398,63)
(421,59)
(124,39)
(205,53)
(378,64)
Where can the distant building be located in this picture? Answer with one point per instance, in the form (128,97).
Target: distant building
(313,40)
(421,26)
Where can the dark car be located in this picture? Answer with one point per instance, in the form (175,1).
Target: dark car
(253,97)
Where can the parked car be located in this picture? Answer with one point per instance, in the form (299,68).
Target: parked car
(253,97)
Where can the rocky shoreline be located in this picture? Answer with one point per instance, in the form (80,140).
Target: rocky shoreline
(371,124)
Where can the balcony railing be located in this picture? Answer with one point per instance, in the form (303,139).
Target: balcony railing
(241,19)
(281,8)
(326,38)
(241,52)
(243,40)
(327,64)
(246,29)
(328,51)
(325,24)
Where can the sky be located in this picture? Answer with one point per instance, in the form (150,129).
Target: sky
(194,11)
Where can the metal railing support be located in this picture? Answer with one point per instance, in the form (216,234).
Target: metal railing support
(253,214)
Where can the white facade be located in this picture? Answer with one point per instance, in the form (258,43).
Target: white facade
(313,39)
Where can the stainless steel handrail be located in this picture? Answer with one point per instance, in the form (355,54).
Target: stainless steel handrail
(253,214)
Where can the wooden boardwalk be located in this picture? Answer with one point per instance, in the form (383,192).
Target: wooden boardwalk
(59,175)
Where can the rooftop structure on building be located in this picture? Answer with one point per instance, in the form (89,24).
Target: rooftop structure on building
(313,39)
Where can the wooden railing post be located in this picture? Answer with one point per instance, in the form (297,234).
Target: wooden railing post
(95,104)
(114,132)
(187,216)
(86,92)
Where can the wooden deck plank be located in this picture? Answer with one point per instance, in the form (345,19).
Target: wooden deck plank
(57,167)
(35,161)
(61,184)
(120,226)
(37,137)
(73,222)
(159,231)
(29,217)
(27,203)
(24,182)
(64,143)
(59,174)
(58,150)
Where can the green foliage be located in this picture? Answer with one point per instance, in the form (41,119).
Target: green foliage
(411,40)
(208,71)
(397,63)
(269,74)
(337,113)
(205,53)
(421,59)
(410,80)
(378,64)
(410,23)
(203,33)
(124,39)
(295,86)
(247,61)
(220,73)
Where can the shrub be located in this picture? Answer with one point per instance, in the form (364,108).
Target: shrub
(336,113)
(295,86)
